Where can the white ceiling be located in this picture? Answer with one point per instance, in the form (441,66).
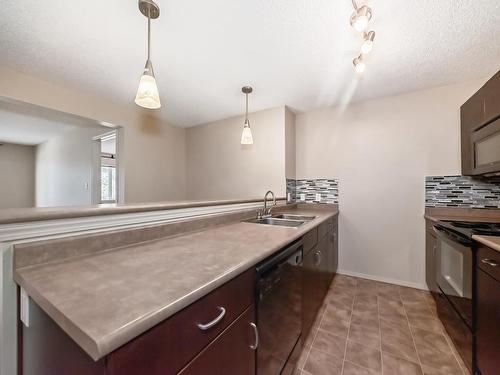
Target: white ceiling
(26,124)
(294,52)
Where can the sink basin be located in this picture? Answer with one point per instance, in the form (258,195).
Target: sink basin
(294,217)
(277,221)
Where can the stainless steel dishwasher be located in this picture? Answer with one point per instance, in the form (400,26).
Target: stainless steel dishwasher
(279,300)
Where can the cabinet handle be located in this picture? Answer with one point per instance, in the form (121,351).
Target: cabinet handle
(256,333)
(317,261)
(490,262)
(434,248)
(209,325)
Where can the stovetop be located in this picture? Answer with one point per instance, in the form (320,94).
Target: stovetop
(469,228)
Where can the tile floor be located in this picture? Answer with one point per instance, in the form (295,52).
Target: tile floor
(367,328)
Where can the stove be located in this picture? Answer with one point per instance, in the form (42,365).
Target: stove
(469,228)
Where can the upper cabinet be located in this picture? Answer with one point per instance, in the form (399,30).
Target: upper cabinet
(480,130)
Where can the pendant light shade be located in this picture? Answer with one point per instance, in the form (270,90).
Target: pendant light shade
(246,135)
(147,93)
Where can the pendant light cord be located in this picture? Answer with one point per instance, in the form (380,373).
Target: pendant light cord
(149,31)
(246,109)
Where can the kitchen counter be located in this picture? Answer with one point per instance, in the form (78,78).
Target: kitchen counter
(106,299)
(492,242)
(22,215)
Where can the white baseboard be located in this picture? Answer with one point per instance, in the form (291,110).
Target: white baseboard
(383,279)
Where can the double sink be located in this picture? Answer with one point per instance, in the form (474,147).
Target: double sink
(284,220)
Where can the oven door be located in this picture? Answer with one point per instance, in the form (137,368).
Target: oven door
(454,272)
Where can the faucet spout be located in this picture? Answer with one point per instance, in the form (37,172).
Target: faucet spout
(267,211)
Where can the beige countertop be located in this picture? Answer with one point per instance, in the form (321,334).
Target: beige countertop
(106,299)
(492,242)
(20,215)
(462,214)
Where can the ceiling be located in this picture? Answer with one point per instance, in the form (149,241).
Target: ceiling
(25,124)
(293,52)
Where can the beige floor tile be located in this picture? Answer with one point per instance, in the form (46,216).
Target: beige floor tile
(397,366)
(342,313)
(335,325)
(398,341)
(352,369)
(430,340)
(329,343)
(369,336)
(368,320)
(438,362)
(363,356)
(320,363)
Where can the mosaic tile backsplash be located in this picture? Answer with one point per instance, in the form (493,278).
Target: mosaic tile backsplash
(462,191)
(307,190)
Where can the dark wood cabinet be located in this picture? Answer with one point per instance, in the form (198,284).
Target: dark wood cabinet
(231,352)
(319,266)
(488,312)
(480,133)
(430,258)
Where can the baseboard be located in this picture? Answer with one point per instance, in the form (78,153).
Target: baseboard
(383,279)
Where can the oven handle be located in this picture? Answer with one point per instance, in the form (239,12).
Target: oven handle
(443,233)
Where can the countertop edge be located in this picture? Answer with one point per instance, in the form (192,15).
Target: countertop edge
(98,349)
(491,241)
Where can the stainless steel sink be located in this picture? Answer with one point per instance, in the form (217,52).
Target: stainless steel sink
(294,217)
(277,221)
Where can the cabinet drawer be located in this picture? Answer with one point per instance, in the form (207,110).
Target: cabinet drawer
(231,352)
(169,346)
(489,261)
(310,239)
(324,228)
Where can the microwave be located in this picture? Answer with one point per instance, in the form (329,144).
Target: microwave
(480,131)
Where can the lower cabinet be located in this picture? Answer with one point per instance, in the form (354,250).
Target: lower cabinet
(430,258)
(488,312)
(233,352)
(320,265)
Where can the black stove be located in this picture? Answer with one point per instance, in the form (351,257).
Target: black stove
(469,228)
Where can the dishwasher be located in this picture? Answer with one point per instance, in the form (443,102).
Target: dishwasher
(279,301)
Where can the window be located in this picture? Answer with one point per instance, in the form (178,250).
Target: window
(108,184)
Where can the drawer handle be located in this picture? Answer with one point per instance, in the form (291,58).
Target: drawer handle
(256,332)
(214,322)
(490,262)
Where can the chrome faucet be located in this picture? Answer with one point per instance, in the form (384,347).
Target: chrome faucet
(267,211)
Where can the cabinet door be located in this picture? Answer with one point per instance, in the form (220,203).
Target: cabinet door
(430,261)
(311,290)
(333,248)
(492,98)
(231,353)
(488,329)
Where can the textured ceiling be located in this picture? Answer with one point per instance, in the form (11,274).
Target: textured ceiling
(294,52)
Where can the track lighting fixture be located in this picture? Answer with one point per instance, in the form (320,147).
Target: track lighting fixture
(359,21)
(367,45)
(360,17)
(359,64)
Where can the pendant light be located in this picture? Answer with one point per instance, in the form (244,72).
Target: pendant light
(147,93)
(246,135)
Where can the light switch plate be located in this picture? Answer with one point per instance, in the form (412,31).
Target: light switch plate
(25,308)
(318,197)
(302,197)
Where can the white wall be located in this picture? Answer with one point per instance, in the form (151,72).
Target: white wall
(153,154)
(381,150)
(64,167)
(17,176)
(219,167)
(290,144)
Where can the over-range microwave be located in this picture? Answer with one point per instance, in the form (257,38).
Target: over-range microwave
(480,130)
